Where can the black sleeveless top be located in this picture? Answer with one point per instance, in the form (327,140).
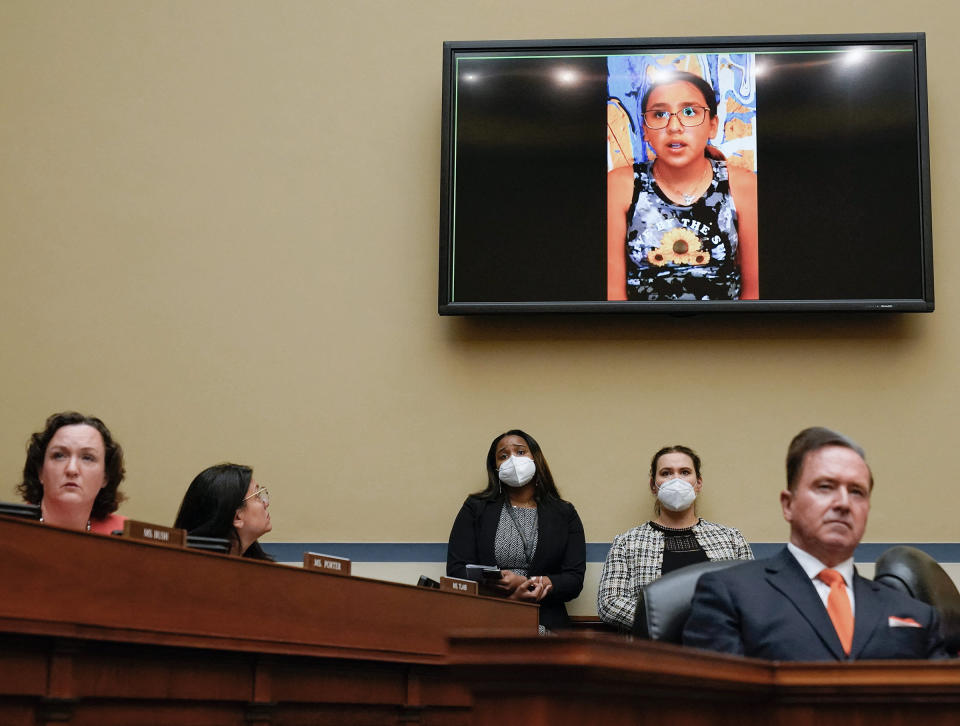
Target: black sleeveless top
(680,548)
(677,252)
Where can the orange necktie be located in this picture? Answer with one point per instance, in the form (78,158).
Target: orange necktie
(838,607)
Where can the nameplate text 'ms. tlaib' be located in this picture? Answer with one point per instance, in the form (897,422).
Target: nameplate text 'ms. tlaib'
(455,584)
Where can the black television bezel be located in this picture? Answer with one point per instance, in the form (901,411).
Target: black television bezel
(451,49)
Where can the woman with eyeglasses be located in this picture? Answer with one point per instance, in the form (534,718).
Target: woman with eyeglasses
(225,501)
(521,526)
(684,225)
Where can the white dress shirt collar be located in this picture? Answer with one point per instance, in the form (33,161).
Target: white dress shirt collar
(813,567)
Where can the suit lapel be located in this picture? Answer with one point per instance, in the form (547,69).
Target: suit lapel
(785,575)
(868,616)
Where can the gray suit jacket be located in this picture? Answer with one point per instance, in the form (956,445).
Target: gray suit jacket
(770,609)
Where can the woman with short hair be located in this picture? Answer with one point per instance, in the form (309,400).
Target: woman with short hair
(73,472)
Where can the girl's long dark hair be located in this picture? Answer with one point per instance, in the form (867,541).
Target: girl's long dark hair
(709,95)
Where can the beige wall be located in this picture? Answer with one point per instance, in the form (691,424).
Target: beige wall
(219,233)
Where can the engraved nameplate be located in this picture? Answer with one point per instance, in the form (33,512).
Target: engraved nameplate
(147,532)
(455,584)
(326,563)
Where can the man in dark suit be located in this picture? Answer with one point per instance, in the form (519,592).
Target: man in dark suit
(807,602)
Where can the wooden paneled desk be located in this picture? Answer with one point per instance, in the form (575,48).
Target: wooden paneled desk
(98,630)
(599,679)
(107,632)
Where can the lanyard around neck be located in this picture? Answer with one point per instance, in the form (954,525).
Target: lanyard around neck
(527,547)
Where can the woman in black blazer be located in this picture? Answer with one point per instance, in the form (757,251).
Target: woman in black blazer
(520,524)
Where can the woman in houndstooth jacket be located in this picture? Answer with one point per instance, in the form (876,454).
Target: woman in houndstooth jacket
(676,537)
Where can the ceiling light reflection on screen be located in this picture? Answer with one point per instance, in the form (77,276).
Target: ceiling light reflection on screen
(566,76)
(854,57)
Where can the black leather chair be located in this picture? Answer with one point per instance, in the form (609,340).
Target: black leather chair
(917,574)
(209,544)
(664,604)
(16,509)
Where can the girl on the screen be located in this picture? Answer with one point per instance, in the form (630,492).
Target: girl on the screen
(683,226)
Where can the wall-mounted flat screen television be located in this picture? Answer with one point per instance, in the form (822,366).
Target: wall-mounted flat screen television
(686,175)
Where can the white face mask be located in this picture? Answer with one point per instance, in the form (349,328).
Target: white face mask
(676,495)
(517,471)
